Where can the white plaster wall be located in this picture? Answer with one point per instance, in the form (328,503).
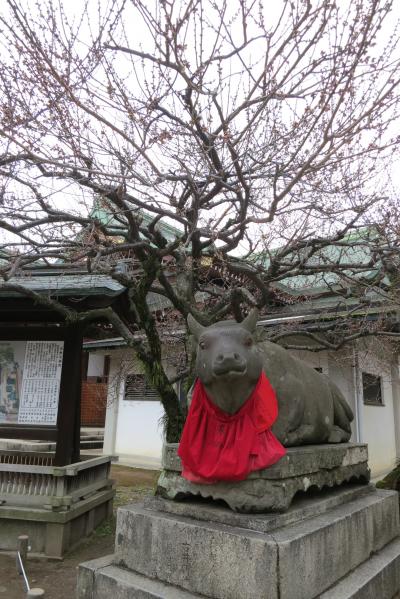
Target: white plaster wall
(133,429)
(396,402)
(139,432)
(379,421)
(113,392)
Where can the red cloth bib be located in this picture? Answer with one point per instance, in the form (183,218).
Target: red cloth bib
(219,446)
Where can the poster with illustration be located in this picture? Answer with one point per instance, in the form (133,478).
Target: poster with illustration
(30,375)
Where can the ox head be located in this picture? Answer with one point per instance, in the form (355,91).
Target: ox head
(228,362)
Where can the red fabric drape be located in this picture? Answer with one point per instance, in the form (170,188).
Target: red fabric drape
(218,446)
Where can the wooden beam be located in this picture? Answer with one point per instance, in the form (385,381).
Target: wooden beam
(28,431)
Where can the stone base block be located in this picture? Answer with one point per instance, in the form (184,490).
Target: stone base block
(350,543)
(224,561)
(272,489)
(378,577)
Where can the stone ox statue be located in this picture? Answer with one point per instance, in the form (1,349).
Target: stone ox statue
(229,363)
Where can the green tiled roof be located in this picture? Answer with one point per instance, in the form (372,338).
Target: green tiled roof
(64,285)
(358,253)
(101,213)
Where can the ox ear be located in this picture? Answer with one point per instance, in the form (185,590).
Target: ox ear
(250,322)
(195,327)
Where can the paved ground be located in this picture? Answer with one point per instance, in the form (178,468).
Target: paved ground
(58,578)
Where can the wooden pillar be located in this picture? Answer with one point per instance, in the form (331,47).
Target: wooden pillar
(68,421)
(76,449)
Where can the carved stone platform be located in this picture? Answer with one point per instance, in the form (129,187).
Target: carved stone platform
(272,489)
(341,543)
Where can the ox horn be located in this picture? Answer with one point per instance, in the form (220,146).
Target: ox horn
(195,327)
(250,322)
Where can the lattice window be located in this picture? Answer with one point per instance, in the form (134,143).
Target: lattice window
(372,389)
(137,388)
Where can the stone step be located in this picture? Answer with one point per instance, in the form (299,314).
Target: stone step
(314,554)
(91,438)
(91,444)
(99,579)
(297,561)
(376,578)
(94,437)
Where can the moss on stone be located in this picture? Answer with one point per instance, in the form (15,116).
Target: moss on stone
(391,480)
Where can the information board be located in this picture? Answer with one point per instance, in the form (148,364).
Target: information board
(30,375)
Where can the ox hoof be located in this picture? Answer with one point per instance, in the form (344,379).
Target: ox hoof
(337,435)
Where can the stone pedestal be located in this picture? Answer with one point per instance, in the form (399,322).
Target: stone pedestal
(335,543)
(338,544)
(272,489)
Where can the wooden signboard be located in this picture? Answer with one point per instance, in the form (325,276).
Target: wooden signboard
(40,386)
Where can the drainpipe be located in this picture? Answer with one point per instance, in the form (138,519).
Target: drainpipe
(357,397)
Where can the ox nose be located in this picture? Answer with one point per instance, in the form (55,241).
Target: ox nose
(228,357)
(229,361)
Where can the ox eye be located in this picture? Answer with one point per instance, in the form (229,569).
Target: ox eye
(203,345)
(248,342)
